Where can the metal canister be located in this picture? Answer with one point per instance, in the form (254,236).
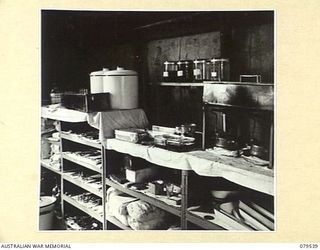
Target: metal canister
(96,81)
(185,71)
(169,71)
(122,85)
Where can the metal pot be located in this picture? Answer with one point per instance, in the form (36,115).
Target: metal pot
(259,151)
(226,142)
(255,150)
(188,129)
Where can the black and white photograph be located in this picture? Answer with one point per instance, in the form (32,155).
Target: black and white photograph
(173,124)
(157,120)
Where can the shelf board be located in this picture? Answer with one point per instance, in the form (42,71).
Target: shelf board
(182,84)
(69,228)
(153,201)
(197,217)
(201,84)
(231,106)
(63,114)
(219,220)
(83,185)
(237,170)
(46,164)
(52,141)
(116,222)
(48,131)
(76,138)
(79,162)
(82,208)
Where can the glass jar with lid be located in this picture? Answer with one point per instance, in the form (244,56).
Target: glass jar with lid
(169,71)
(199,70)
(185,71)
(219,69)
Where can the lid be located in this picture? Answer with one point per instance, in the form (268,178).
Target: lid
(219,60)
(99,73)
(199,61)
(47,201)
(120,72)
(169,62)
(185,62)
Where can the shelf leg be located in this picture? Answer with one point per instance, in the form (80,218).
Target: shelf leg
(104,191)
(203,127)
(184,200)
(62,171)
(271,147)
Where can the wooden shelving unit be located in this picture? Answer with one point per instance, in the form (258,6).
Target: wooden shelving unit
(81,161)
(203,218)
(70,117)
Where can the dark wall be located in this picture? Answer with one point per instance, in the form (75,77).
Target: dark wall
(246,40)
(75,43)
(72,47)
(253,52)
(199,46)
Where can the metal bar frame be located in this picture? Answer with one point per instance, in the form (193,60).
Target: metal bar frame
(184,199)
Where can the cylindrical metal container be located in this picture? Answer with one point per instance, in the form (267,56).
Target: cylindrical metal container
(45,147)
(169,71)
(46,212)
(123,88)
(96,81)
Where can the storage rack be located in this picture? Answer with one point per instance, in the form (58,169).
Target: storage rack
(196,215)
(76,117)
(153,200)
(266,109)
(186,214)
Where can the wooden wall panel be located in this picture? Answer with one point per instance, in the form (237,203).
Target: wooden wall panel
(205,45)
(253,52)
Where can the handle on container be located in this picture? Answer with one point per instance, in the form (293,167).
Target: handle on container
(256,77)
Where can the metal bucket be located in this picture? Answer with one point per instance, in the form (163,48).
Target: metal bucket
(46,218)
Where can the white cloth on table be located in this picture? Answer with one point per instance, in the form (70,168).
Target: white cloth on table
(155,155)
(63,114)
(108,121)
(234,169)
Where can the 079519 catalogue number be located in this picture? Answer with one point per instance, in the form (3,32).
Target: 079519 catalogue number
(308,246)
